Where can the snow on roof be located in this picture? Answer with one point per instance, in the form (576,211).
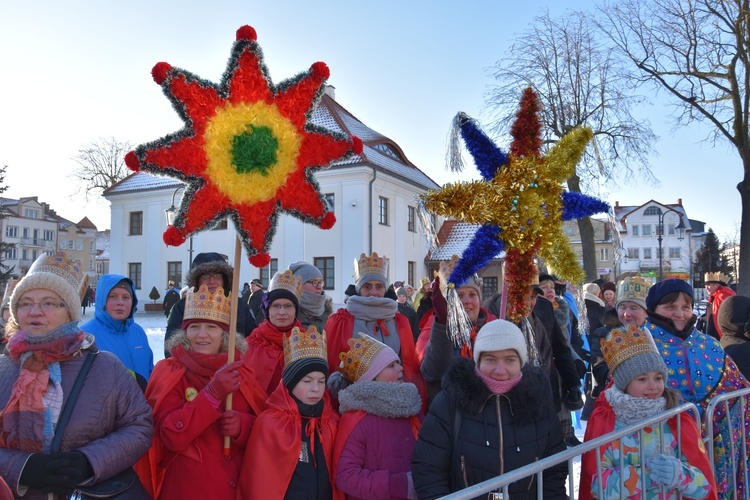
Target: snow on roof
(457,240)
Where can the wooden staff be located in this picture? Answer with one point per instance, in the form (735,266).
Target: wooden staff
(233,328)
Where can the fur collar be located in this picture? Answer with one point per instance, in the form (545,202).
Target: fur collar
(528,400)
(383,399)
(210,267)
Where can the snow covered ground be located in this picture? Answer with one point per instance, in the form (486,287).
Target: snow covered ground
(155,325)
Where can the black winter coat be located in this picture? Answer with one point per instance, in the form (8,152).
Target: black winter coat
(452,454)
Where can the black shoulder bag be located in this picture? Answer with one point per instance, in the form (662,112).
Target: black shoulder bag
(122,486)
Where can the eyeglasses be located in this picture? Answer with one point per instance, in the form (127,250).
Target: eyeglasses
(48,305)
(316,283)
(209,276)
(281,307)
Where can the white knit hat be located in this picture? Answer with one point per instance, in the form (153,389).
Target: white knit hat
(499,335)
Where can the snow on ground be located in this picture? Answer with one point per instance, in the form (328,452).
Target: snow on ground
(155,325)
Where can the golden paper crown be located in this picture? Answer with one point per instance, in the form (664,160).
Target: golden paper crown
(286,281)
(446,269)
(619,346)
(301,344)
(370,264)
(633,289)
(207,306)
(356,361)
(717,277)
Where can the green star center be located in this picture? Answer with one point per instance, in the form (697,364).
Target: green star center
(254,150)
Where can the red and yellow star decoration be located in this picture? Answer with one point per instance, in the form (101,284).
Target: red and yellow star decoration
(247,151)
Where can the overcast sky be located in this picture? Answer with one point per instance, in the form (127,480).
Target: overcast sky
(72,72)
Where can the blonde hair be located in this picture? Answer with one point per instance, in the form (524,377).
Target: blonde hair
(673,398)
(180,338)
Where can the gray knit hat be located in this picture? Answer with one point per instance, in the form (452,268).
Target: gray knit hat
(499,335)
(629,354)
(305,271)
(56,273)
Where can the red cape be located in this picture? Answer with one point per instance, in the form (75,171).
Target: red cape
(602,421)
(265,354)
(273,450)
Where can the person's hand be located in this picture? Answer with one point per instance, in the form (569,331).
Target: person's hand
(225,381)
(56,472)
(665,470)
(573,399)
(438,303)
(230,423)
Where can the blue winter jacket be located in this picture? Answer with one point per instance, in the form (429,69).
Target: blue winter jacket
(126,339)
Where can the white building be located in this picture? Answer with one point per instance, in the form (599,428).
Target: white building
(639,229)
(373,196)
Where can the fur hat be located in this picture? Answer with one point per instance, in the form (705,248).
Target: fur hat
(663,288)
(206,263)
(304,352)
(305,271)
(499,335)
(59,274)
(629,354)
(370,268)
(608,285)
(632,289)
(365,359)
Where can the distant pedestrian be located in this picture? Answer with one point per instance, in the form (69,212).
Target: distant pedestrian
(171,297)
(88,297)
(254,301)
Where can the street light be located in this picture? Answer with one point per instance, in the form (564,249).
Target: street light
(680,235)
(170,214)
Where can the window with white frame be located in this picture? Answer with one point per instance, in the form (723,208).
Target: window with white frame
(79,245)
(49,235)
(647,254)
(11,254)
(634,230)
(633,253)
(92,246)
(675,253)
(646,229)
(383,210)
(31,213)
(604,254)
(411,219)
(11,231)
(134,273)
(652,210)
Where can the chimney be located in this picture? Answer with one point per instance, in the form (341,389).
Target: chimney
(679,201)
(617,203)
(330,91)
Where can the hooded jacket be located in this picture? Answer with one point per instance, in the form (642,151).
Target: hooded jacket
(734,321)
(126,339)
(471,435)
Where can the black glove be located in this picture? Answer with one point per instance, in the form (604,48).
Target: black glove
(573,400)
(56,472)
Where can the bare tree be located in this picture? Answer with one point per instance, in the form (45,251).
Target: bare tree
(696,50)
(101,164)
(6,272)
(579,82)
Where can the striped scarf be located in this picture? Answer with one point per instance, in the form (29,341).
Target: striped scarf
(27,420)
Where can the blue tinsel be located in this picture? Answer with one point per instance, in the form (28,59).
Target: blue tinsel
(487,157)
(485,245)
(578,206)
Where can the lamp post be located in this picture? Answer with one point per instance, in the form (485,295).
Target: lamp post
(680,236)
(170,214)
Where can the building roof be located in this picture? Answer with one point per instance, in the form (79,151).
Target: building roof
(453,238)
(85,223)
(378,150)
(622,212)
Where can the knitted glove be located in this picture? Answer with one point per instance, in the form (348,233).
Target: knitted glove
(573,399)
(665,470)
(439,303)
(35,470)
(230,424)
(225,381)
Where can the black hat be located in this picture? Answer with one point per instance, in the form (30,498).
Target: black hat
(256,282)
(734,317)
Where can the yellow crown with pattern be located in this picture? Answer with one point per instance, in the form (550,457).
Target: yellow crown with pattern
(633,289)
(620,345)
(286,281)
(206,306)
(370,264)
(356,361)
(300,344)
(717,277)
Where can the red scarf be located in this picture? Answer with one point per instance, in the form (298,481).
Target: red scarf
(23,416)
(199,367)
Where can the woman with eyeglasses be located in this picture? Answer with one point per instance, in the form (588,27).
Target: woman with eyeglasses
(265,351)
(314,305)
(110,427)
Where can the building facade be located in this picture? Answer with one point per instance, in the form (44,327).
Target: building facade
(373,195)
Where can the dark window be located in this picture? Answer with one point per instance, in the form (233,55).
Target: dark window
(134,273)
(325,264)
(652,211)
(271,268)
(174,274)
(331,200)
(222,224)
(489,287)
(136,223)
(383,210)
(411,219)
(412,271)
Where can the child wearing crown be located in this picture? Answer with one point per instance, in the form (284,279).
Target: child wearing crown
(290,451)
(372,313)
(639,375)
(187,393)
(379,423)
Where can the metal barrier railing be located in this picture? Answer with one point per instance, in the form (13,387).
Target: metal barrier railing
(741,397)
(537,468)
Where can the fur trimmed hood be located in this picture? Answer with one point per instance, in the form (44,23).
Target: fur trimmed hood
(529,400)
(382,399)
(210,267)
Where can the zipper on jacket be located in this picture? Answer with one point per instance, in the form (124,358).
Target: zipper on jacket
(463,471)
(500,435)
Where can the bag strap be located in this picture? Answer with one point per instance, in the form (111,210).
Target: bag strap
(67,409)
